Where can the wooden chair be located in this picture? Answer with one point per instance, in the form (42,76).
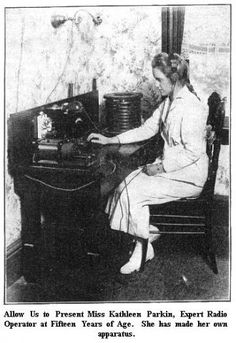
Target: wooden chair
(194,216)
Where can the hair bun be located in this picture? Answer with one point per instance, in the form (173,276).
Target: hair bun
(172,65)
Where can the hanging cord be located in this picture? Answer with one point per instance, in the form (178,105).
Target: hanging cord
(105,164)
(20,63)
(66,62)
(59,188)
(91,121)
(71,189)
(124,189)
(128,200)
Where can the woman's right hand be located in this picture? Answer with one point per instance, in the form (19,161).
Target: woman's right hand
(98,138)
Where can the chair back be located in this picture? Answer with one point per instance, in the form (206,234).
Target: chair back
(215,124)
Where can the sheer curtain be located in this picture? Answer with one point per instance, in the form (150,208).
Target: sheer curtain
(206,43)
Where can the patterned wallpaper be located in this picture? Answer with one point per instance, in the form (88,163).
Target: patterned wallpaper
(41,61)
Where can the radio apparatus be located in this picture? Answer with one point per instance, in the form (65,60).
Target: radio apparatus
(53,137)
(62,132)
(64,153)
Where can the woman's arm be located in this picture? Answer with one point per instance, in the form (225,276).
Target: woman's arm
(149,129)
(145,131)
(100,139)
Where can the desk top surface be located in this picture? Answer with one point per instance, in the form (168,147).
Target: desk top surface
(114,163)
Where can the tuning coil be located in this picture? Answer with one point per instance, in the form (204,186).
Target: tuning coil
(123,111)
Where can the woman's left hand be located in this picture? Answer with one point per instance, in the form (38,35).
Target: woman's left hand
(153,169)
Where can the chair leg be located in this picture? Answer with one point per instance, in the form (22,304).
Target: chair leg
(144,253)
(210,254)
(212,261)
(209,247)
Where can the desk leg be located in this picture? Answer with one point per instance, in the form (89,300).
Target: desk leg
(31,232)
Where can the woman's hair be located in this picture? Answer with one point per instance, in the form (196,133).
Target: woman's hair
(174,67)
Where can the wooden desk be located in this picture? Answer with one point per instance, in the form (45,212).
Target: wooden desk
(69,191)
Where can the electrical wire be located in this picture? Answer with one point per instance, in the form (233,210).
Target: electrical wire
(66,63)
(59,188)
(71,189)
(128,200)
(119,195)
(127,193)
(91,121)
(20,64)
(113,170)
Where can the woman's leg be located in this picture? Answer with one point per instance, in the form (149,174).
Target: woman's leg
(129,211)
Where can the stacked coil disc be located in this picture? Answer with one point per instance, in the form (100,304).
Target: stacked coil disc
(123,111)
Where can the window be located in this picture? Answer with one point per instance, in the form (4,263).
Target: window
(206,44)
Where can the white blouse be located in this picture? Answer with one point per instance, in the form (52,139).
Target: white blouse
(182,126)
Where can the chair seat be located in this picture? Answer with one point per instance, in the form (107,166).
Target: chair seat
(185,206)
(184,216)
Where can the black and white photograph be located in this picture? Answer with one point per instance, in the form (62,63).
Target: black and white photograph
(117,154)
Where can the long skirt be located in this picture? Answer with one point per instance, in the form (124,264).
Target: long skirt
(128,206)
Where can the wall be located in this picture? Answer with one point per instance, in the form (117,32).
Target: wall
(41,61)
